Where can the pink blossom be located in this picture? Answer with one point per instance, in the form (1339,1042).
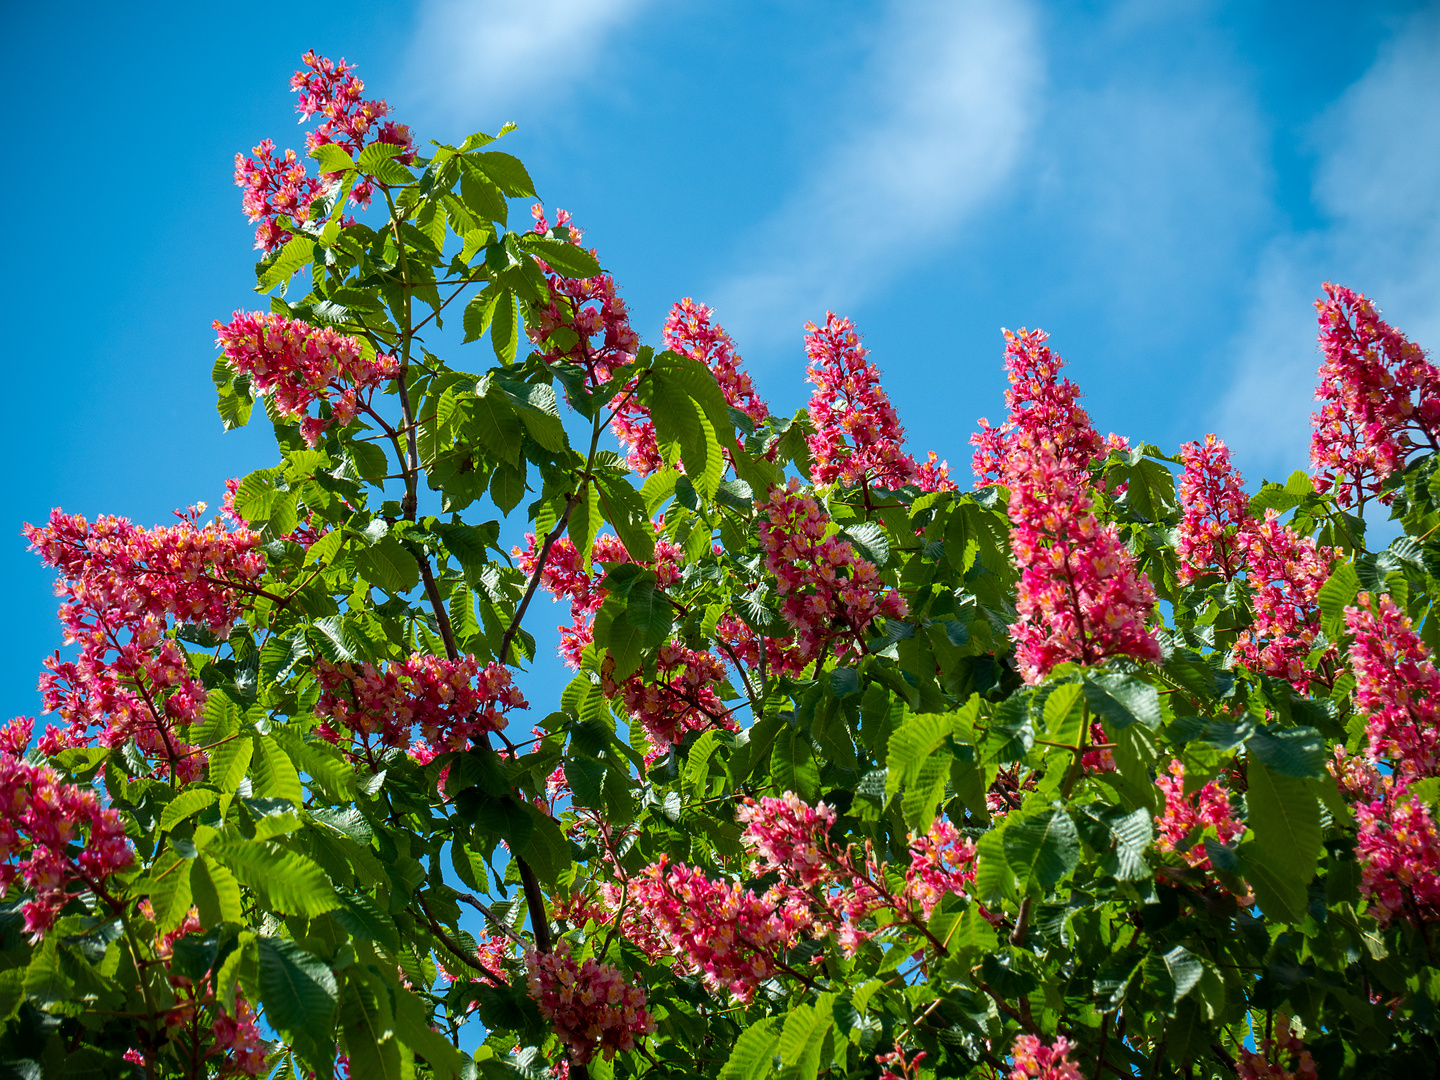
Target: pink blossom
(1080,597)
(302,365)
(789,837)
(858,436)
(43,819)
(1043,408)
(1033,1059)
(679,698)
(589,1004)
(451,702)
(1215,512)
(901,1069)
(690,332)
(238,1038)
(1258,1064)
(277,186)
(1285,572)
(827,592)
(120,584)
(1380,399)
(731,936)
(1396,688)
(1206,809)
(1399,852)
(941,862)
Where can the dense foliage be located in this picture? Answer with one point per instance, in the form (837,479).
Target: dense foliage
(1102,768)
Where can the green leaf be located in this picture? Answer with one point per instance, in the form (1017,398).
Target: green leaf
(507,172)
(216,892)
(369,1031)
(1335,596)
(505,327)
(1173,974)
(273,773)
(754,1053)
(1285,818)
(229,762)
(914,742)
(803,1037)
(332,158)
(479,312)
(1280,896)
(568,260)
(366,919)
(1042,848)
(388,565)
(869,539)
(170,891)
(649,610)
(413,1025)
(297,989)
(296,253)
(1123,700)
(625,510)
(293,882)
(1297,752)
(378,160)
(191,800)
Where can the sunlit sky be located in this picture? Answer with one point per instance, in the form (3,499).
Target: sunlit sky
(1163,186)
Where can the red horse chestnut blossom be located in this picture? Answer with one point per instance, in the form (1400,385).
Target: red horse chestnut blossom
(589,1004)
(1285,572)
(1281,1058)
(1033,1060)
(858,437)
(44,821)
(1043,407)
(277,186)
(1397,688)
(690,331)
(301,365)
(828,592)
(1207,809)
(121,583)
(679,698)
(1380,395)
(1080,597)
(450,701)
(1214,512)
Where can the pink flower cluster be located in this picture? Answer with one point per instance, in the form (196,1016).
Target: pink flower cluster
(731,936)
(690,332)
(301,365)
(43,816)
(1395,688)
(897,1068)
(1033,1060)
(1043,407)
(827,592)
(1257,1064)
(941,862)
(277,186)
(564,576)
(580,309)
(120,584)
(238,1037)
(679,698)
(1215,512)
(1380,398)
(789,837)
(450,701)
(1285,572)
(589,1004)
(858,436)
(1080,596)
(1206,809)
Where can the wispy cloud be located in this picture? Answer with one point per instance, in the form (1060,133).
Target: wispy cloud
(1377,179)
(473,60)
(949,98)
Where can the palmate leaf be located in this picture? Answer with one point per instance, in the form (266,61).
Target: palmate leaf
(803,1036)
(297,988)
(1042,848)
(1285,818)
(292,882)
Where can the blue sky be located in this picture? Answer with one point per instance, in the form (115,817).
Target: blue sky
(1163,186)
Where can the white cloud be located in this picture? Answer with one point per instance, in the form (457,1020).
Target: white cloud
(1377,179)
(471,59)
(950,95)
